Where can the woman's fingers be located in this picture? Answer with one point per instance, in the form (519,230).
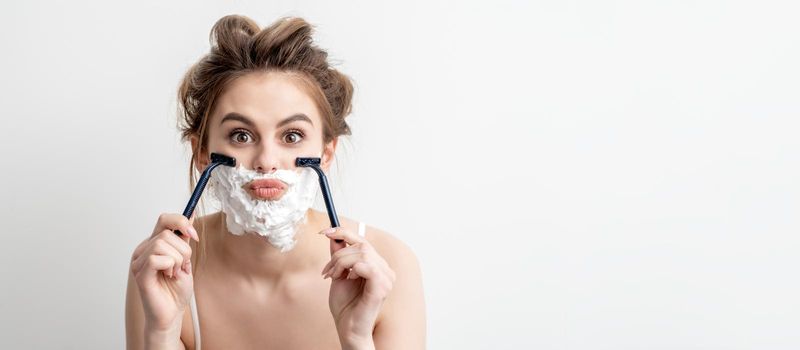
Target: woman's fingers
(342,266)
(175,246)
(338,254)
(181,244)
(159,263)
(151,264)
(379,282)
(365,249)
(338,269)
(163,241)
(165,249)
(171,221)
(160,247)
(343,234)
(343,258)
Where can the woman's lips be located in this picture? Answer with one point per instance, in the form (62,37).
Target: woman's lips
(268,189)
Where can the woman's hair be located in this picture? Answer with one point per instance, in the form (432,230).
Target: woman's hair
(238,47)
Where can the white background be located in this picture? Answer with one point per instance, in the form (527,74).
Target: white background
(571,174)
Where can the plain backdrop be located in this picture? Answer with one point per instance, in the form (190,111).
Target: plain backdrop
(570,174)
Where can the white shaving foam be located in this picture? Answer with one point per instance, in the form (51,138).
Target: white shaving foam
(277,220)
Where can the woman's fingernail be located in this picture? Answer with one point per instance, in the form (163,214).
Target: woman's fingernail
(194,233)
(329,231)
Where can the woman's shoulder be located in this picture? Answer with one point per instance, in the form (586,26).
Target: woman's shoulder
(394,250)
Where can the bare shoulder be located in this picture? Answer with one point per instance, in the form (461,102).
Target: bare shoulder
(395,251)
(390,247)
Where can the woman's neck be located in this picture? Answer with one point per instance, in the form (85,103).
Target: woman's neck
(255,259)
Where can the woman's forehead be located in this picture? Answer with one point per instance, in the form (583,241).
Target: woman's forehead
(266,98)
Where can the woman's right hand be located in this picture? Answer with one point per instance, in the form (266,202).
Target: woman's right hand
(161,266)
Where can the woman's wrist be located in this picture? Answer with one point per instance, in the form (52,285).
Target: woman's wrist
(162,339)
(356,343)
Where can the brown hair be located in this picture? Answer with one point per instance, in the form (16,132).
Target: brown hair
(238,47)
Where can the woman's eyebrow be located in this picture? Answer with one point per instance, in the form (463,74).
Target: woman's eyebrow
(295,117)
(243,119)
(239,117)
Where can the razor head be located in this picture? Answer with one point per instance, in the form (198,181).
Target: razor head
(223,159)
(307,162)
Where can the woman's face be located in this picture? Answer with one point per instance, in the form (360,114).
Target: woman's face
(266,120)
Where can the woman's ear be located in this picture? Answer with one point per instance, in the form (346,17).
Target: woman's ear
(201,158)
(328,152)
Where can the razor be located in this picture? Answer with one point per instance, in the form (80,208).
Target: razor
(314,163)
(216,160)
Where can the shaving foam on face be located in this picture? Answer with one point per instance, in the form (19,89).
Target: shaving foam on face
(277,220)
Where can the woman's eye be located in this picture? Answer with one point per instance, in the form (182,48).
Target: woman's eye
(292,137)
(241,137)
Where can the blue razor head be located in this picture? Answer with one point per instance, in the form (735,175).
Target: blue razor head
(307,161)
(223,159)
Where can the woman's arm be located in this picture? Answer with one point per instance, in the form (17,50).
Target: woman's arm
(160,285)
(136,338)
(387,310)
(402,322)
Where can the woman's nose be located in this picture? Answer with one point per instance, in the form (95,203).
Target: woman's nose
(267,160)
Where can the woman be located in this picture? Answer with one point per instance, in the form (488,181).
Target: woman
(234,279)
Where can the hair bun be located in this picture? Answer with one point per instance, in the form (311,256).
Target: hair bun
(231,34)
(288,43)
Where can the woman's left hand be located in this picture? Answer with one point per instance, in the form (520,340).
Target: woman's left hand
(360,281)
